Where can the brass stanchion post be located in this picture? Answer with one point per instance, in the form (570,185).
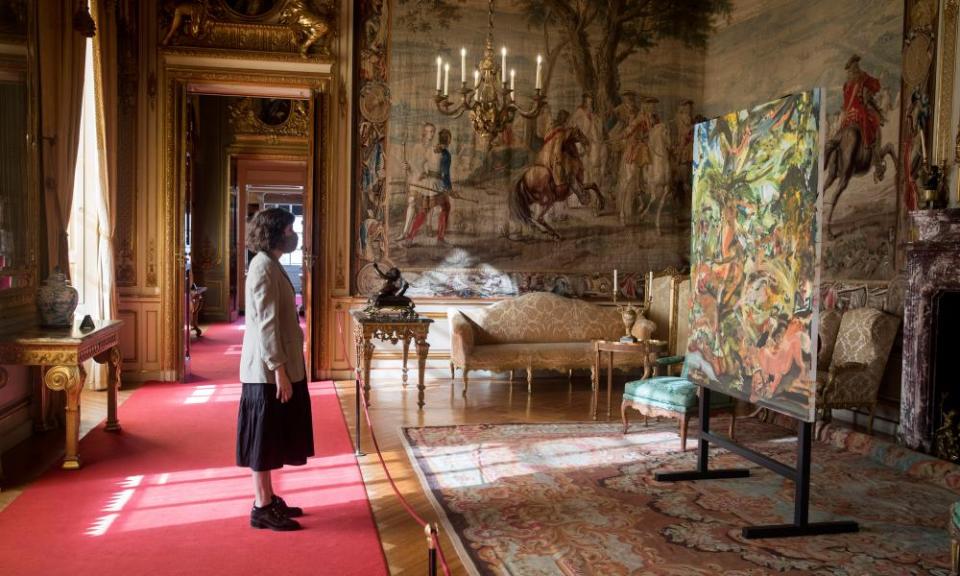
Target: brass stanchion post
(430,530)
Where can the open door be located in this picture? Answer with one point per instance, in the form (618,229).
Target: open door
(182,256)
(313,236)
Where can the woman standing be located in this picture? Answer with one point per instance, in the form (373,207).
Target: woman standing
(274,425)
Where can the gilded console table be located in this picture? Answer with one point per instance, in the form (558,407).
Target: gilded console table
(393,330)
(61,352)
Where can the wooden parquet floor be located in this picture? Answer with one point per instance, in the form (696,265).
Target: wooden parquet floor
(496,401)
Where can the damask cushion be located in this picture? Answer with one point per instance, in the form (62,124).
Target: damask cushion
(670,393)
(866,336)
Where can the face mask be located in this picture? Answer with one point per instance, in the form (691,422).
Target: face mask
(290,243)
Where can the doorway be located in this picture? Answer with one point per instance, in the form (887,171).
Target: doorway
(232,152)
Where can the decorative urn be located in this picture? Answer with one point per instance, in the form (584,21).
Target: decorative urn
(57,300)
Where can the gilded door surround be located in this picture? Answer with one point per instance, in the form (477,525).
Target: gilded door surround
(223,73)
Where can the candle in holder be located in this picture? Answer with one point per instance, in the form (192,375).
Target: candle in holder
(439,68)
(513,79)
(446,78)
(539,64)
(503,65)
(476,78)
(463,65)
(615,284)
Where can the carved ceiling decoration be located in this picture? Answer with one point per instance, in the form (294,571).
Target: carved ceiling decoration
(273,118)
(287,27)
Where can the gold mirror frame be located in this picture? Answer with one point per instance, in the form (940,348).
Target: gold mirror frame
(19,302)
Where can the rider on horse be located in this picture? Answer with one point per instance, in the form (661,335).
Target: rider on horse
(565,173)
(859,107)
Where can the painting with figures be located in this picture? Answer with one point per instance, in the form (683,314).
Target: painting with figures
(757,210)
(599,180)
(872,158)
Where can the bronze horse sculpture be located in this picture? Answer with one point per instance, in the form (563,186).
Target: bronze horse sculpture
(536,186)
(846,157)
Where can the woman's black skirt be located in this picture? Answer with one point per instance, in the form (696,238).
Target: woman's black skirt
(271,433)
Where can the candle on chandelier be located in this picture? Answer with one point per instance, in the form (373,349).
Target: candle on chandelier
(539,65)
(439,66)
(615,283)
(463,65)
(503,65)
(513,78)
(476,78)
(446,78)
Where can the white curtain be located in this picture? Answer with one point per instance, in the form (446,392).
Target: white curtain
(101,287)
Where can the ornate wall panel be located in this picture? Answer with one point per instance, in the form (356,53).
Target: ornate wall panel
(128,47)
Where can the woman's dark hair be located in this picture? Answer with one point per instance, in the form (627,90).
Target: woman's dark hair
(265,229)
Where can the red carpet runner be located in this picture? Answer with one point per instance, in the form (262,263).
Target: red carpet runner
(164,496)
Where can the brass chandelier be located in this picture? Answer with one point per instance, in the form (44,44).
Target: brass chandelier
(491,101)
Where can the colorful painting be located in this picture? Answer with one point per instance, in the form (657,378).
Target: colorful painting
(599,180)
(755,253)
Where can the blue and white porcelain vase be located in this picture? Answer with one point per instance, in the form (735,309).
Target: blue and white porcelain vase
(57,300)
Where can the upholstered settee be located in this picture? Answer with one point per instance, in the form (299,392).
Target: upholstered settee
(540,330)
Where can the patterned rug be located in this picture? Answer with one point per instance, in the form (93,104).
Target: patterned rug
(580,499)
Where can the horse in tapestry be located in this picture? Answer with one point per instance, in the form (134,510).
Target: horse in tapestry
(538,187)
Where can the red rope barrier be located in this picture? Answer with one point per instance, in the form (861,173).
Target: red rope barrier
(403,501)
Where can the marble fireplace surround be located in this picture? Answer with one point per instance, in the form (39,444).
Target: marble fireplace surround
(933,267)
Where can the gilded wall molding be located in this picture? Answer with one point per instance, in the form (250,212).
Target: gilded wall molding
(945,82)
(302,28)
(270,118)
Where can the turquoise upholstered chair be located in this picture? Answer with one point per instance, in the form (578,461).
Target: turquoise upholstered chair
(674,396)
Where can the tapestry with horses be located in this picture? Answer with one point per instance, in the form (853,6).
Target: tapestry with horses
(757,207)
(599,180)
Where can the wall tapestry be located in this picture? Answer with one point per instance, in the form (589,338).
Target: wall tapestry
(755,254)
(600,180)
(855,51)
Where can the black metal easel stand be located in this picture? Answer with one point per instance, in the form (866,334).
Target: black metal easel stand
(800,475)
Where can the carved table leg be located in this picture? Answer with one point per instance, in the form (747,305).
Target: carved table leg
(595,380)
(609,381)
(70,379)
(422,349)
(114,360)
(367,355)
(406,354)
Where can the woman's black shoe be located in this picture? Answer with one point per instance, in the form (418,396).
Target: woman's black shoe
(271,517)
(288,511)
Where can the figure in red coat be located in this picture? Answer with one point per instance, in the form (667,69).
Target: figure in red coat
(859,107)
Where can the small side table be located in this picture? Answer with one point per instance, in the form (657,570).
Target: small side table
(649,349)
(61,353)
(393,330)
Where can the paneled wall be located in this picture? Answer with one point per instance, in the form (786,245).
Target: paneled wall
(139,217)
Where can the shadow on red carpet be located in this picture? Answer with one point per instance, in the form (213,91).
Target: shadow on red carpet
(164,496)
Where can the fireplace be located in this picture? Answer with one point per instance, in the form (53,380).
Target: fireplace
(930,401)
(946,374)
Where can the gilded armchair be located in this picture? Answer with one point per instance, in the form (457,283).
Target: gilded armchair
(856,365)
